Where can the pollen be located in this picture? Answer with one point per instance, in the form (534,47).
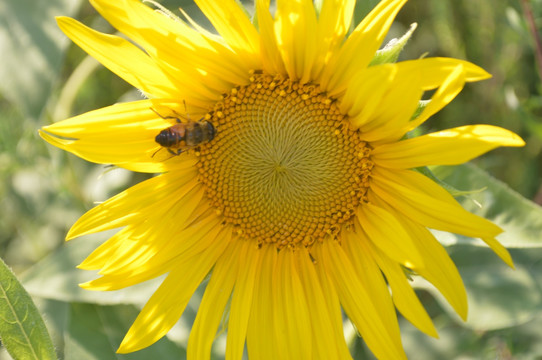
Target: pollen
(285,167)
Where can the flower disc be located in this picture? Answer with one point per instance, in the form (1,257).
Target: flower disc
(285,166)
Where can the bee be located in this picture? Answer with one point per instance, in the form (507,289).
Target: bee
(185,135)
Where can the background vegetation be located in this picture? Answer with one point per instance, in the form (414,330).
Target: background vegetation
(44,78)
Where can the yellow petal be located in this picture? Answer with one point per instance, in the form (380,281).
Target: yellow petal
(232,23)
(213,303)
(137,255)
(117,282)
(330,343)
(295,26)
(250,259)
(162,259)
(499,250)
(447,147)
(438,268)
(381,336)
(420,199)
(135,203)
(357,248)
(381,100)
(112,155)
(261,342)
(360,47)
(102,254)
(270,55)
(332,304)
(167,304)
(448,90)
(436,70)
(334,23)
(138,230)
(362,100)
(388,235)
(292,323)
(394,110)
(121,57)
(404,297)
(122,134)
(201,67)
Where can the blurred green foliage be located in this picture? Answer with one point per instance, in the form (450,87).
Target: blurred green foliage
(44,78)
(494,35)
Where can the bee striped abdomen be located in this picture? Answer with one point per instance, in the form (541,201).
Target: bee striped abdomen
(171,136)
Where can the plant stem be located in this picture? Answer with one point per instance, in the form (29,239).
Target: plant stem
(525,4)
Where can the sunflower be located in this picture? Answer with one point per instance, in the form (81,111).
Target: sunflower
(304,202)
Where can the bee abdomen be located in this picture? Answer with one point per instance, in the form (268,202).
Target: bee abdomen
(168,137)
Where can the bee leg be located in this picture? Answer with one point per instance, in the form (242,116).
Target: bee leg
(166,117)
(156,152)
(175,152)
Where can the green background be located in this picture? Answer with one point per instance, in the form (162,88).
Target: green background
(44,78)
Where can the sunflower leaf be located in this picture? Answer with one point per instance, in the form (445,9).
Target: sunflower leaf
(22,329)
(390,53)
(498,296)
(452,190)
(421,107)
(520,218)
(94,333)
(459,343)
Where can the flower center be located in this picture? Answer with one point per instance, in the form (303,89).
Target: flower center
(284,167)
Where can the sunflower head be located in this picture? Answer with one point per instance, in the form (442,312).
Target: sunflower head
(286,167)
(285,171)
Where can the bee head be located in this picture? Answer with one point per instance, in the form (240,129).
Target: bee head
(212,130)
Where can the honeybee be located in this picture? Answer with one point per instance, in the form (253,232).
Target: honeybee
(185,135)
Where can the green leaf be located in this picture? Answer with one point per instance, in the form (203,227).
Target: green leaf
(56,315)
(453,191)
(95,332)
(533,123)
(390,53)
(520,218)
(32,48)
(22,329)
(56,277)
(499,296)
(85,338)
(455,342)
(422,104)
